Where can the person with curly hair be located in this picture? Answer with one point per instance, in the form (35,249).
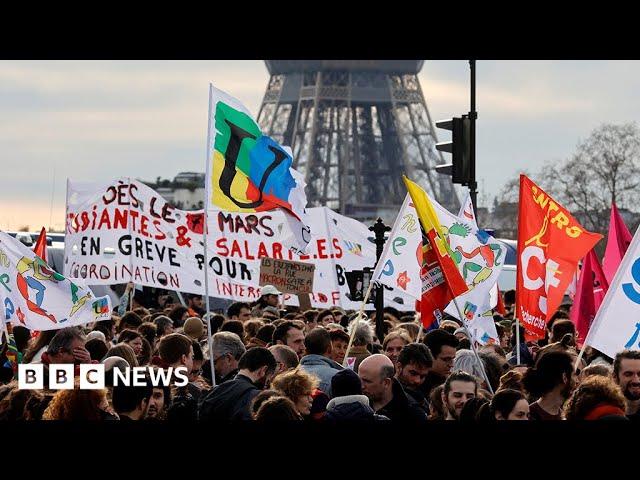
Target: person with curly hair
(77,404)
(596,398)
(298,386)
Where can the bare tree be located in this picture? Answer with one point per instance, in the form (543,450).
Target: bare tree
(605,168)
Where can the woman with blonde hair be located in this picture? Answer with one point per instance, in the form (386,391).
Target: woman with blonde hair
(394,342)
(124,351)
(298,386)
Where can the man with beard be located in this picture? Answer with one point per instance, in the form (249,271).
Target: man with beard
(230,401)
(550,382)
(459,388)
(412,367)
(160,399)
(626,373)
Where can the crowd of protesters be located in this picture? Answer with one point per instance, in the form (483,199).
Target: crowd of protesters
(275,364)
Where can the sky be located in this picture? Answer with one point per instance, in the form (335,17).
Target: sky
(90,120)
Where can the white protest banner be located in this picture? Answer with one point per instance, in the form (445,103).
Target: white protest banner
(616,326)
(466,211)
(338,245)
(121,231)
(36,297)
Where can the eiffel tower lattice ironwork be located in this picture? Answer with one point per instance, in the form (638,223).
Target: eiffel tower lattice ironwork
(355,126)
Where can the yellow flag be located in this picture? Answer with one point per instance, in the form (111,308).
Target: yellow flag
(426,214)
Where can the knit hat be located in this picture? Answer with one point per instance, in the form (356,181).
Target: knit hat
(193,328)
(346,382)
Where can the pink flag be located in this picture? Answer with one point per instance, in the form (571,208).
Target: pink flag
(591,289)
(617,243)
(600,283)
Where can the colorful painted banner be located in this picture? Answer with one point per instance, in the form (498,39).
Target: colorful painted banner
(399,265)
(441,280)
(249,172)
(550,244)
(478,256)
(36,297)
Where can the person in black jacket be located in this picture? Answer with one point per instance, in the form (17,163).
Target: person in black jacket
(230,401)
(348,403)
(385,393)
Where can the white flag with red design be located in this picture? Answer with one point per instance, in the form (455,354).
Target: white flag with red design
(35,296)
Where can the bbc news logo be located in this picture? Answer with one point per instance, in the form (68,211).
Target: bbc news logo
(92,376)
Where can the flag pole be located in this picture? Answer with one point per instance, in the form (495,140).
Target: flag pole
(575,367)
(204,241)
(517,340)
(420,331)
(473,346)
(133,284)
(356,320)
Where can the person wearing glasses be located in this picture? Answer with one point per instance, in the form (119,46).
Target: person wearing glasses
(227,351)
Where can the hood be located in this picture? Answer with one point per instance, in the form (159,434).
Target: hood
(313,359)
(335,402)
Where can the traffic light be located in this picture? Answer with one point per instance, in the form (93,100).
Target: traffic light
(459,147)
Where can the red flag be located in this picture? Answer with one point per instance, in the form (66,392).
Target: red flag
(40,249)
(550,244)
(500,308)
(617,243)
(583,309)
(41,245)
(441,280)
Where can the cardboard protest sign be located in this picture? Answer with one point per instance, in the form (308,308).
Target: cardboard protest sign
(286,275)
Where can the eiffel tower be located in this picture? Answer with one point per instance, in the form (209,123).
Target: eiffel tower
(355,126)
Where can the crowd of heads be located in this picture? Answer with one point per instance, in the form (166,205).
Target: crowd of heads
(267,363)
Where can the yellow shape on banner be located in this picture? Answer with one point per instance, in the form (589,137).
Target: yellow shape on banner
(238,187)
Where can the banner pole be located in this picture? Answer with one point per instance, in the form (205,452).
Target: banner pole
(204,241)
(357,319)
(517,341)
(133,285)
